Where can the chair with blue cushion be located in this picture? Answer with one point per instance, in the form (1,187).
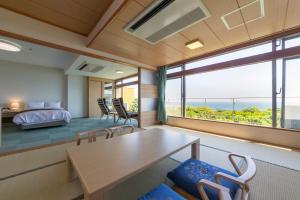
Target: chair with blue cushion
(162,192)
(207,182)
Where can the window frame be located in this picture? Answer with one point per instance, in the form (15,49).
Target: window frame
(273,56)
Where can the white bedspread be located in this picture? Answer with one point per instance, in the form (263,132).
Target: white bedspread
(42,116)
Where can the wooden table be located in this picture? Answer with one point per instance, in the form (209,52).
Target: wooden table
(105,163)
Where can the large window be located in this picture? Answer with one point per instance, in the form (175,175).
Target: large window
(242,95)
(128,89)
(290,94)
(108,93)
(265,93)
(173,97)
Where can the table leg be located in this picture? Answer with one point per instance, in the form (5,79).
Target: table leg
(71,172)
(195,150)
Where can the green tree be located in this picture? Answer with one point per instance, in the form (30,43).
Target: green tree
(134,106)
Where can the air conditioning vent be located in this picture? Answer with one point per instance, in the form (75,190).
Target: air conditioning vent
(151,13)
(87,67)
(164,18)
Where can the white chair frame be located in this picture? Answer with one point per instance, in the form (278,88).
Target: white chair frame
(242,180)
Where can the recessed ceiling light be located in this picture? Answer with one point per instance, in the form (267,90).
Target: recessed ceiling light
(9,46)
(194,44)
(119,72)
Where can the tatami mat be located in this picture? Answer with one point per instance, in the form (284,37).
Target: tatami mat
(278,156)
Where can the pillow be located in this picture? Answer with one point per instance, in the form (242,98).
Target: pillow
(52,104)
(35,105)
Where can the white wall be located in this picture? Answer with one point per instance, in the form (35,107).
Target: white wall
(30,83)
(78,96)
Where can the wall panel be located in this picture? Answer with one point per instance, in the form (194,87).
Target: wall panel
(147,97)
(95,92)
(281,137)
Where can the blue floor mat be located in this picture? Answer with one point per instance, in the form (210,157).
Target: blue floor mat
(13,138)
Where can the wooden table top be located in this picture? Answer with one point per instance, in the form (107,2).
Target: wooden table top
(102,164)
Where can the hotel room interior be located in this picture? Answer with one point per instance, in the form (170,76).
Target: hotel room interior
(149,99)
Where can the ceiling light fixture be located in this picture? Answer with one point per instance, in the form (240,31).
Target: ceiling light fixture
(119,72)
(9,46)
(195,44)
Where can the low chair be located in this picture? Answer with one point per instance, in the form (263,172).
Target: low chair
(118,130)
(122,113)
(208,182)
(104,108)
(194,180)
(91,136)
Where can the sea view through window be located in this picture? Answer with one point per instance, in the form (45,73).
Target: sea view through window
(241,94)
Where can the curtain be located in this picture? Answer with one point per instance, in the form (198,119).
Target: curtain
(161,110)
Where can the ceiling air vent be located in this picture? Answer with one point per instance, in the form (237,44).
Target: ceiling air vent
(87,67)
(164,18)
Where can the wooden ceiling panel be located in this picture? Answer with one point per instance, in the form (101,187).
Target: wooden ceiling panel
(116,27)
(93,5)
(87,16)
(128,49)
(293,14)
(145,3)
(212,31)
(218,8)
(202,32)
(132,9)
(178,42)
(275,11)
(235,19)
(70,15)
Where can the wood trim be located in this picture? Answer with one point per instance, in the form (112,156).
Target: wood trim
(126,77)
(100,79)
(127,84)
(64,48)
(108,21)
(45,21)
(239,62)
(100,18)
(240,45)
(139,97)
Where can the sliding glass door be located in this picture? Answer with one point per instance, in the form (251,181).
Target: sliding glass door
(290,96)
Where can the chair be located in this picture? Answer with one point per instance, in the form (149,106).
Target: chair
(208,182)
(104,108)
(119,130)
(122,113)
(89,135)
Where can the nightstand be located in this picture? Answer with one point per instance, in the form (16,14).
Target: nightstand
(7,116)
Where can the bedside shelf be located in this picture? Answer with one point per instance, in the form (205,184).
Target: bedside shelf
(7,116)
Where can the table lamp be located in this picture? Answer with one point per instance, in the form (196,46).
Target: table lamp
(15,106)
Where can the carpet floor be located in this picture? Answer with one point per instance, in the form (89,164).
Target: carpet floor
(13,138)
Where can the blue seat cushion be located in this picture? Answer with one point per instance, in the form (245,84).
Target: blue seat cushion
(188,174)
(162,192)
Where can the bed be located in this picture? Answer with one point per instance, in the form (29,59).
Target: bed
(42,115)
